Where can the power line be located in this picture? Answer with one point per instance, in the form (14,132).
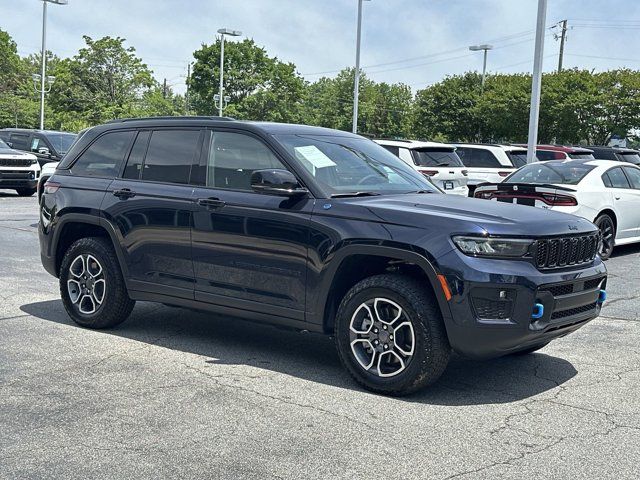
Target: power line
(604,58)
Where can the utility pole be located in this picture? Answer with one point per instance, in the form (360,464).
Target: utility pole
(186,95)
(536,84)
(356,81)
(164,88)
(563,36)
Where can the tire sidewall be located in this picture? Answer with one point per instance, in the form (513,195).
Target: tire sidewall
(95,249)
(598,221)
(422,342)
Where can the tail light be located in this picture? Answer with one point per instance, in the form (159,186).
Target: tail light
(559,200)
(485,195)
(429,173)
(504,174)
(51,187)
(465,172)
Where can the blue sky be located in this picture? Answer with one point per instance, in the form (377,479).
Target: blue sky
(417,42)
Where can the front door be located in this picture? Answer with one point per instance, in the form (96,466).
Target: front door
(625,200)
(152,207)
(249,249)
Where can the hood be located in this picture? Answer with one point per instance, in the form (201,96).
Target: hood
(11,154)
(455,214)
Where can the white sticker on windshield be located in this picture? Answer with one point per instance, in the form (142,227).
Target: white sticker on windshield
(314,156)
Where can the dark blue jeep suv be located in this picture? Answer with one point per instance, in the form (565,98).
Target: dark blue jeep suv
(313,229)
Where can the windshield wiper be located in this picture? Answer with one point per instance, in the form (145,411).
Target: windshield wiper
(354,194)
(421,191)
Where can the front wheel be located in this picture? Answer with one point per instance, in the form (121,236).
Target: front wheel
(91,285)
(390,335)
(608,233)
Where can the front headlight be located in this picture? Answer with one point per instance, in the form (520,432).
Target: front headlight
(493,247)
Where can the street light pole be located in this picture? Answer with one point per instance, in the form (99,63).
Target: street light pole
(485,47)
(223,32)
(356,81)
(43,53)
(536,84)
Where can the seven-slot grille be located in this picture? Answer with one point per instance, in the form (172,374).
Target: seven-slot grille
(15,162)
(566,251)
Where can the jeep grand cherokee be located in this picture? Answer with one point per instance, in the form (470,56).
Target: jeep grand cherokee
(314,229)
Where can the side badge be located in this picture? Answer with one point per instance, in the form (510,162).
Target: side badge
(326,206)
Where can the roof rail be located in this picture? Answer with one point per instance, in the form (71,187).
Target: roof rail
(121,120)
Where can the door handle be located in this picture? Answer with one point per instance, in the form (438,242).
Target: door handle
(211,203)
(124,193)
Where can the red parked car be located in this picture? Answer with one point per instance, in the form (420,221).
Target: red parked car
(561,152)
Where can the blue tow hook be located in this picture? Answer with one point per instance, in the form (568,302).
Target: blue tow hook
(538,311)
(602,297)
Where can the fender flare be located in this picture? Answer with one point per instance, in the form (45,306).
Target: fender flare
(90,220)
(409,256)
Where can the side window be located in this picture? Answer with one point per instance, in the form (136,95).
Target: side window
(20,141)
(486,159)
(466,155)
(392,149)
(233,157)
(104,156)
(170,155)
(606,180)
(136,157)
(618,178)
(405,155)
(633,174)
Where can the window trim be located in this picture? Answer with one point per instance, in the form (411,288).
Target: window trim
(625,176)
(204,159)
(126,154)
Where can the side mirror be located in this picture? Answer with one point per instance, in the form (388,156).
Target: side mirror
(44,151)
(276,182)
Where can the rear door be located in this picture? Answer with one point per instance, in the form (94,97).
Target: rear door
(152,208)
(249,249)
(625,201)
(633,175)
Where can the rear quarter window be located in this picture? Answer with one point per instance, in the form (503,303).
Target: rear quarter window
(477,157)
(104,156)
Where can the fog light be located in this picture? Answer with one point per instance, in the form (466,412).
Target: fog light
(538,311)
(602,297)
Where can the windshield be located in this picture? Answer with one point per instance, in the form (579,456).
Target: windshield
(61,141)
(582,156)
(518,158)
(436,157)
(567,173)
(343,165)
(630,158)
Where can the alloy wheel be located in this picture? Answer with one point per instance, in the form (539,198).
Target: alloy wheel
(382,337)
(607,233)
(86,284)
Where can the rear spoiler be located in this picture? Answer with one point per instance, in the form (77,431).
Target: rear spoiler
(528,185)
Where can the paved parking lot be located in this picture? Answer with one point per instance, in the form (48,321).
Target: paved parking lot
(175,393)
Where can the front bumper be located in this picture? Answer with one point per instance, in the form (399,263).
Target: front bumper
(19,178)
(493,303)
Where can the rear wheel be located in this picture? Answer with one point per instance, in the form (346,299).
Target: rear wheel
(91,285)
(390,335)
(26,192)
(607,229)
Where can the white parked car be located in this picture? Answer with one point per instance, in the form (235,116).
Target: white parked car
(437,161)
(19,171)
(490,163)
(605,192)
(48,170)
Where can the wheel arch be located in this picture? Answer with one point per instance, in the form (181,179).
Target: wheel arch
(611,213)
(74,226)
(354,263)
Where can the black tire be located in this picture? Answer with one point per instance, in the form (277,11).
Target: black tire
(116,305)
(529,350)
(25,192)
(431,346)
(607,228)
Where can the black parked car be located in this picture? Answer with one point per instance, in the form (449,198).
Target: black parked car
(47,145)
(618,154)
(314,229)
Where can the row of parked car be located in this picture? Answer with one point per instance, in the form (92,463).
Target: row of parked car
(587,182)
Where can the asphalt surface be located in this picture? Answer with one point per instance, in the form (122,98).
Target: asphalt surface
(174,393)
